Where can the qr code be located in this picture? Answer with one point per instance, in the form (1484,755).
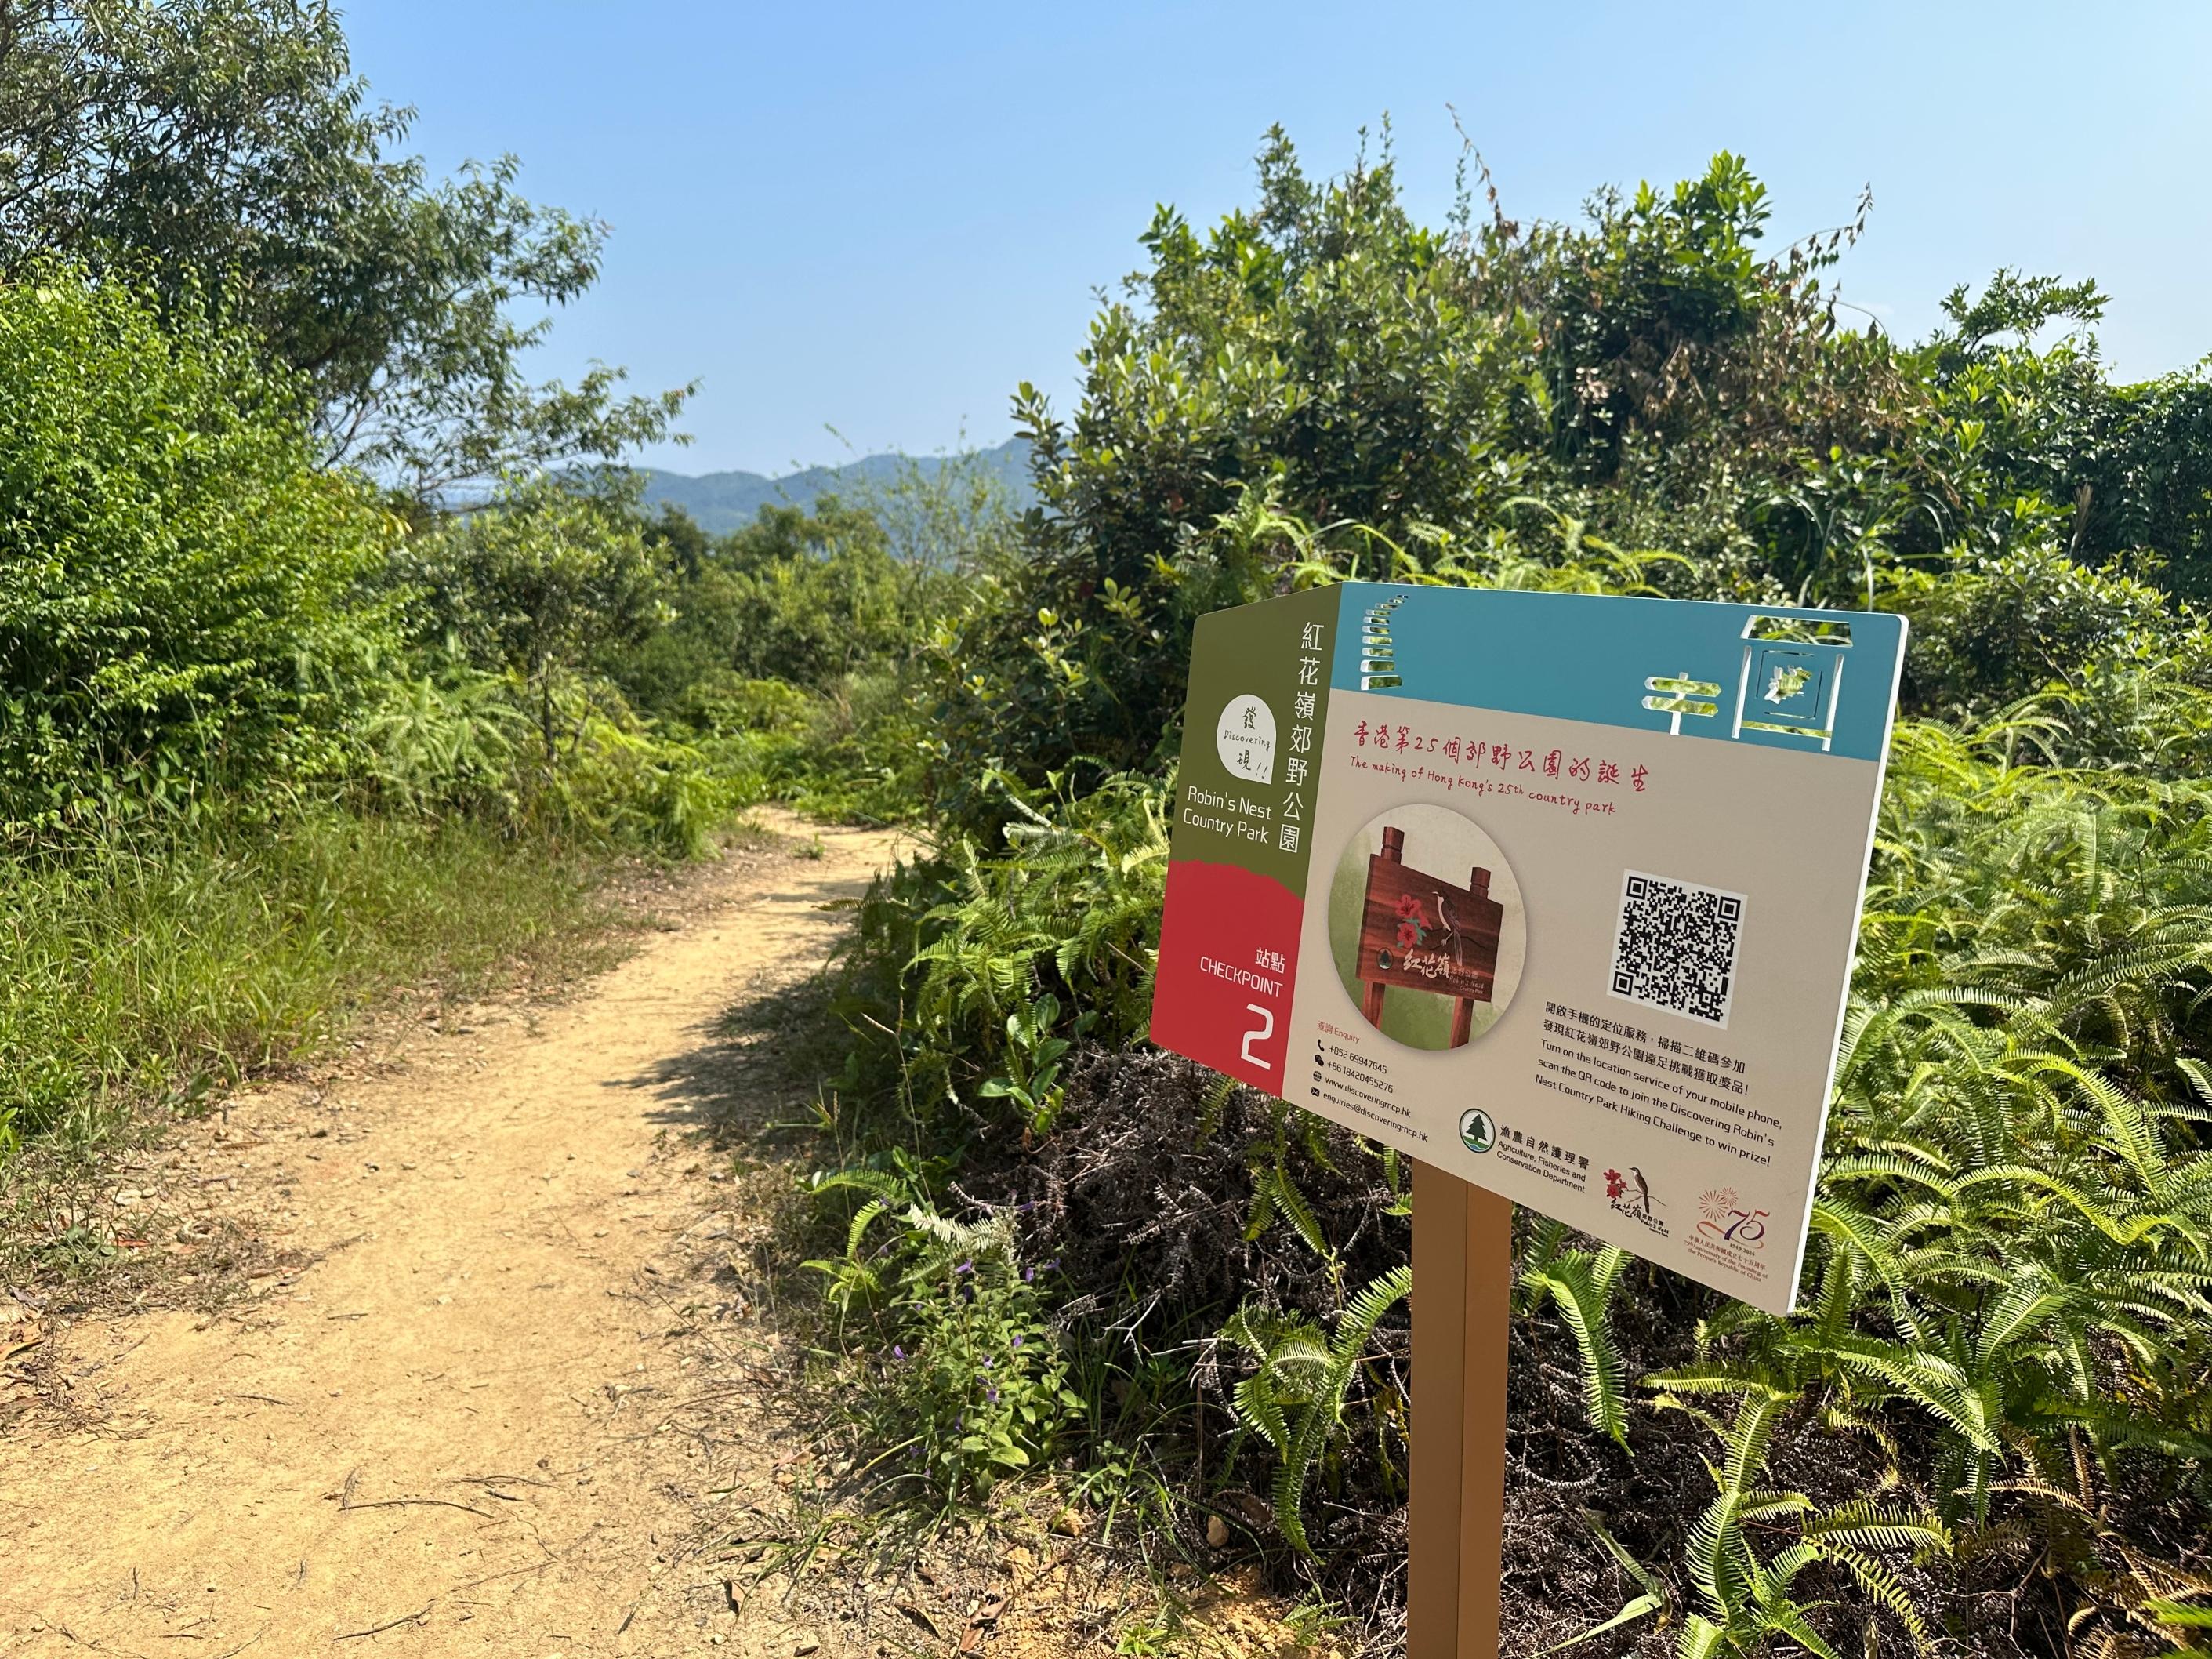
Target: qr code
(1676,948)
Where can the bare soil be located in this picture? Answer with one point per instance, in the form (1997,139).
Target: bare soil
(479,1385)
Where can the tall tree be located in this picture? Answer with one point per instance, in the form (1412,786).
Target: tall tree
(224,153)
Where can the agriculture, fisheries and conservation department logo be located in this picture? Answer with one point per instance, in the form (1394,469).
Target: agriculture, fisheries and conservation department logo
(1727,1218)
(1631,1195)
(1476,1131)
(1245,739)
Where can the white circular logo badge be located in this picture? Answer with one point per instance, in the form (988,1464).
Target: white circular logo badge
(1245,739)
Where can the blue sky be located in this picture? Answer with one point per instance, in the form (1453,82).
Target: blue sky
(881,218)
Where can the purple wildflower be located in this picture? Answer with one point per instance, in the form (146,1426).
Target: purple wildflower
(967,1267)
(1018,1339)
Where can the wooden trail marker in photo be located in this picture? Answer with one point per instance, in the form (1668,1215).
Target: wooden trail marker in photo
(1665,809)
(1426,935)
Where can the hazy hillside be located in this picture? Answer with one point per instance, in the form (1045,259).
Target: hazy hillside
(726,501)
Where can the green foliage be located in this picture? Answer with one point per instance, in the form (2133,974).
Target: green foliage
(1322,351)
(971,1381)
(1748,1598)
(1667,347)
(1071,905)
(799,645)
(1579,1283)
(2000,629)
(1294,1397)
(806,597)
(230,324)
(456,742)
(544,583)
(152,969)
(1650,378)
(180,590)
(224,149)
(1034,1053)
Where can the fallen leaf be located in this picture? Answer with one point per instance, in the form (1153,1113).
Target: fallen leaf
(980,1620)
(1251,1509)
(921,1618)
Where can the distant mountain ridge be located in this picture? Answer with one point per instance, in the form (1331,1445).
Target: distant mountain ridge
(722,501)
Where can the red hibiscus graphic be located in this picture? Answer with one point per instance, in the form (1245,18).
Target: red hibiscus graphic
(1614,1185)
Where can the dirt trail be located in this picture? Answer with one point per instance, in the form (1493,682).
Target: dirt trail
(458,1428)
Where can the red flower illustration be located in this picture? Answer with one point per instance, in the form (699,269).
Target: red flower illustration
(1614,1185)
(1409,908)
(1409,935)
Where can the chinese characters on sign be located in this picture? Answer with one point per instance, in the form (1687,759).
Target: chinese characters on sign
(1499,756)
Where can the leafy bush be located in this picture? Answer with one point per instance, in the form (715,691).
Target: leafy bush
(227,148)
(971,1379)
(1071,903)
(1996,630)
(180,589)
(544,583)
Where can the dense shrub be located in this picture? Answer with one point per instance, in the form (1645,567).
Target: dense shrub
(1995,630)
(180,589)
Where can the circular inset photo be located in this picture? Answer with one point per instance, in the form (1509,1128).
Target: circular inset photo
(1427,928)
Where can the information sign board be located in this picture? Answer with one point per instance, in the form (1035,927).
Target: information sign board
(1557,892)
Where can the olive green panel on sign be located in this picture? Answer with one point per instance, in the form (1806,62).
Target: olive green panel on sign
(1252,735)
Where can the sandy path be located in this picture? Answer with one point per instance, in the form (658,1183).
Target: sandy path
(446,1425)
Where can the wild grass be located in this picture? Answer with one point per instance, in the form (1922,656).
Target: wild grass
(146,971)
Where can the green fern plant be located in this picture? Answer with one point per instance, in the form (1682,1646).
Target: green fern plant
(1749,1597)
(1294,1399)
(1580,1285)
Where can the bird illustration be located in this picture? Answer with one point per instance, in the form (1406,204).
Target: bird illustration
(1642,1187)
(1451,930)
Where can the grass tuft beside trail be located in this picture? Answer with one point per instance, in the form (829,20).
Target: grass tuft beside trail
(147,972)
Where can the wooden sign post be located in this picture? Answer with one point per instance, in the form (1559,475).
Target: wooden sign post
(1455,1514)
(1420,933)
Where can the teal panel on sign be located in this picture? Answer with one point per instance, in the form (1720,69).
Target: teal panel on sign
(1820,681)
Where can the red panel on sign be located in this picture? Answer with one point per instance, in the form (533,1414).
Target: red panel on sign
(1228,951)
